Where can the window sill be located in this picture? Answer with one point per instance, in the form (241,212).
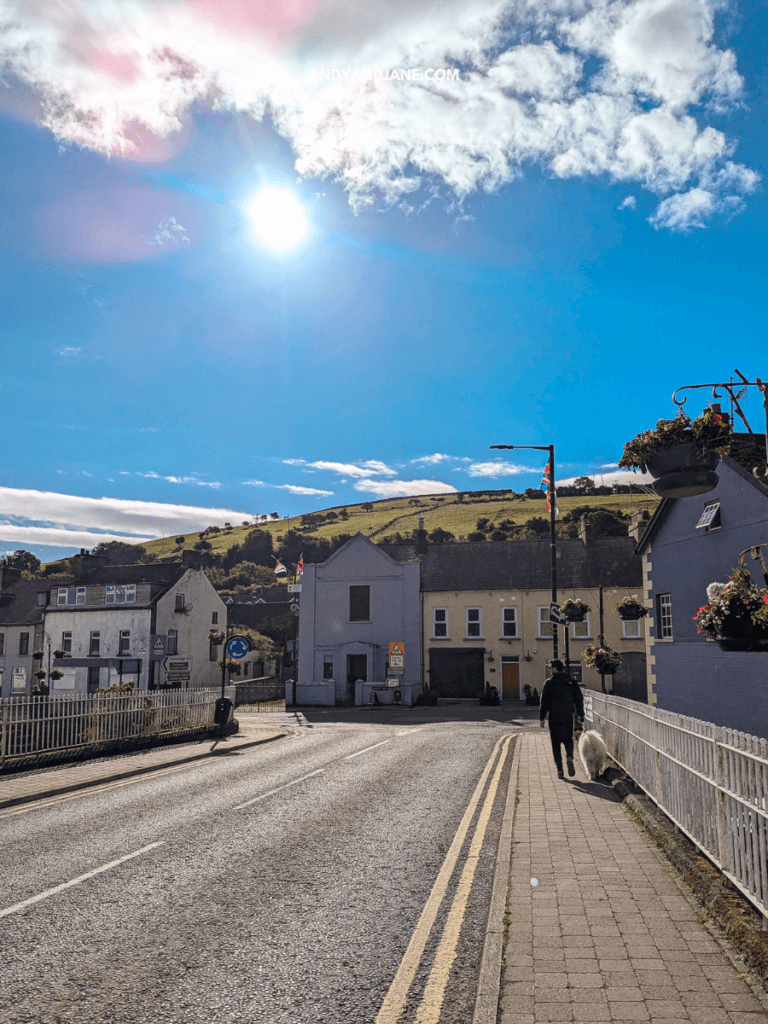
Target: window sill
(508,639)
(662,639)
(475,638)
(439,638)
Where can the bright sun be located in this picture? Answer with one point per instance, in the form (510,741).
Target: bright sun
(278,219)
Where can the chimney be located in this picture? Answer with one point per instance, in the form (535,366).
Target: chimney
(637,524)
(8,575)
(585,532)
(85,562)
(190,559)
(421,538)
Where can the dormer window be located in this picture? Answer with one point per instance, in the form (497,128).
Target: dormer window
(710,517)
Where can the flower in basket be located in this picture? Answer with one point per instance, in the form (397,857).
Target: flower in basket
(40,674)
(602,658)
(738,608)
(57,674)
(632,604)
(59,653)
(216,636)
(711,430)
(38,653)
(231,665)
(573,606)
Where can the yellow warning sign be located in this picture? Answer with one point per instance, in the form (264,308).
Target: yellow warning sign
(397,654)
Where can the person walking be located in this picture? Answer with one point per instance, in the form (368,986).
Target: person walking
(560,697)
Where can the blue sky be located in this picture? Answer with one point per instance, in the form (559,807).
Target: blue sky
(538,251)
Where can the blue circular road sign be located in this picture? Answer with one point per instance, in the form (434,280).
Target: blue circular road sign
(238,647)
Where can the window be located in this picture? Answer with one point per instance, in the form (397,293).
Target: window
(632,630)
(582,630)
(710,517)
(360,603)
(509,622)
(664,616)
(61,595)
(181,600)
(2,645)
(80,595)
(125,642)
(574,668)
(545,626)
(439,622)
(327,667)
(19,679)
(212,655)
(93,651)
(66,642)
(121,595)
(474,622)
(23,643)
(42,599)
(215,618)
(173,642)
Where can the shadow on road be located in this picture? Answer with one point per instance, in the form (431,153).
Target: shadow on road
(512,712)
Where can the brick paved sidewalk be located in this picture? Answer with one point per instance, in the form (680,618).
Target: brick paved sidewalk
(610,933)
(37,784)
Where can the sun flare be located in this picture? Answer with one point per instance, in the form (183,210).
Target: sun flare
(278,219)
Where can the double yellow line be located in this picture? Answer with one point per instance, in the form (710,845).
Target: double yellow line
(432,1001)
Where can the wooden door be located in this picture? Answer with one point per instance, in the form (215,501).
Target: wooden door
(510,680)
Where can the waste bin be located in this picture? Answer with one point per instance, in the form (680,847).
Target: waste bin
(223,711)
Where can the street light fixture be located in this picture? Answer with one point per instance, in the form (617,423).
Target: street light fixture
(552,539)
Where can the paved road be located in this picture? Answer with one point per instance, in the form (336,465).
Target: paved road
(280,885)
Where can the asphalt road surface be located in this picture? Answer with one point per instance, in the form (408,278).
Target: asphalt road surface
(283,885)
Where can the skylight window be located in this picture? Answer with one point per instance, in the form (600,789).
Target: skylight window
(710,517)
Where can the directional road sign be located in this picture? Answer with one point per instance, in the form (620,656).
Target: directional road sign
(238,647)
(396,654)
(294,588)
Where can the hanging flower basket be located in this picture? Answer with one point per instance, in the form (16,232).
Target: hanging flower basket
(681,454)
(630,609)
(574,610)
(233,667)
(737,614)
(40,674)
(603,659)
(59,653)
(38,654)
(216,638)
(56,674)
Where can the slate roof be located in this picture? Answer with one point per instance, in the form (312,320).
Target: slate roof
(254,614)
(162,574)
(270,595)
(23,609)
(526,565)
(748,450)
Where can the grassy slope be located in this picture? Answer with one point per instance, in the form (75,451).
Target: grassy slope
(400,515)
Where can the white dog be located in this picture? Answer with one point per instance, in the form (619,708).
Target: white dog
(593,754)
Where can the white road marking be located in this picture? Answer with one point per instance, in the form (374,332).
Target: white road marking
(367,749)
(273,791)
(408,732)
(76,881)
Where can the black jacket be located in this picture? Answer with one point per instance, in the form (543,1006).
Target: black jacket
(560,697)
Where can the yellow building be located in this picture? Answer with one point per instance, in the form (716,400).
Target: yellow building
(485,613)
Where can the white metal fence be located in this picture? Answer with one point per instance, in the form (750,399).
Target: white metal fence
(33,727)
(711,781)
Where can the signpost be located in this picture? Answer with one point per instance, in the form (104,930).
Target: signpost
(238,647)
(397,655)
(178,668)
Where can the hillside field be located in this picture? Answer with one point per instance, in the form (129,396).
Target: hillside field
(401,515)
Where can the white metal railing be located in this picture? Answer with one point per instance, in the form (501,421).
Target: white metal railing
(34,726)
(711,781)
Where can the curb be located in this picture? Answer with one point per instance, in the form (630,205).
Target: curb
(741,923)
(489,982)
(89,783)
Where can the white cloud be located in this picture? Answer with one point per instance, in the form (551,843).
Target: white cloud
(402,488)
(629,203)
(181,480)
(169,230)
(613,476)
(496,469)
(434,460)
(46,517)
(69,351)
(372,466)
(103,70)
(293,488)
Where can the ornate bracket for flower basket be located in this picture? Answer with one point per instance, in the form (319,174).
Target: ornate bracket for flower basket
(757,554)
(735,392)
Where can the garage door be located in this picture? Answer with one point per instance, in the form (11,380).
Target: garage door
(456,672)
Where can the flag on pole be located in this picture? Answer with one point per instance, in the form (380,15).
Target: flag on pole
(279,568)
(546,483)
(300,566)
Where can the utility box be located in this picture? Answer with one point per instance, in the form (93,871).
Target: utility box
(223,711)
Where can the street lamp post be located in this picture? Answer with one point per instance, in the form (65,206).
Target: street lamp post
(552,539)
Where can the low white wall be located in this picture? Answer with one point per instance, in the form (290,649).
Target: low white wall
(312,693)
(409,692)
